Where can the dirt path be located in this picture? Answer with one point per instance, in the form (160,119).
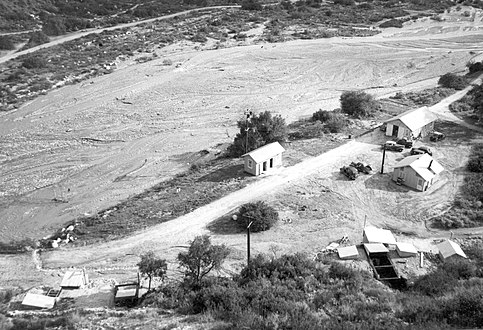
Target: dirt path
(77,35)
(179,231)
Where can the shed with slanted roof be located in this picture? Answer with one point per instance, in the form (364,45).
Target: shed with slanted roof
(411,124)
(263,159)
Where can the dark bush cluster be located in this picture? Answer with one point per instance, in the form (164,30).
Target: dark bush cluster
(475,67)
(358,104)
(392,23)
(260,214)
(451,80)
(6,43)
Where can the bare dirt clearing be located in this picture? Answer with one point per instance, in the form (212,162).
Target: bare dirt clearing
(137,123)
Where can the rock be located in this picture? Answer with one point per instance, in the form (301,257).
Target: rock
(55,244)
(70,228)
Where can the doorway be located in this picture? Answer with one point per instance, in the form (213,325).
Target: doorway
(271,162)
(264,166)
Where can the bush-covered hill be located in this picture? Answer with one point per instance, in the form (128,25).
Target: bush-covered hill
(61,16)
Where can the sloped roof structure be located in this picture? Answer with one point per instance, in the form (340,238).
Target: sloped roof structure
(425,165)
(378,235)
(415,118)
(449,248)
(267,151)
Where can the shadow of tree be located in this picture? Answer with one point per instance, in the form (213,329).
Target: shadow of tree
(225,173)
(384,182)
(224,226)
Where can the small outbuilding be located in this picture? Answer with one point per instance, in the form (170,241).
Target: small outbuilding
(74,279)
(263,159)
(39,301)
(411,124)
(406,250)
(417,171)
(449,249)
(377,235)
(348,252)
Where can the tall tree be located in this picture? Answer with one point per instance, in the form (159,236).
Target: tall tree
(201,258)
(261,129)
(152,266)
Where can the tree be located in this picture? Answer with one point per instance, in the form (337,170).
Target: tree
(36,38)
(451,80)
(34,62)
(201,258)
(151,266)
(261,129)
(262,216)
(358,104)
(6,43)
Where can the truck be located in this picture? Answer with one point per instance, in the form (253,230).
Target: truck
(393,146)
(350,172)
(361,167)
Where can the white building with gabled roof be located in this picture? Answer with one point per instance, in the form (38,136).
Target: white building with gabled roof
(449,249)
(411,124)
(263,159)
(417,171)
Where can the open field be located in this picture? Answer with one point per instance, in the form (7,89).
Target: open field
(98,142)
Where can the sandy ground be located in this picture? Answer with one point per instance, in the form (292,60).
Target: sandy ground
(84,144)
(98,142)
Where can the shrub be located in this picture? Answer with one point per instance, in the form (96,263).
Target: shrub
(358,104)
(34,62)
(465,309)
(435,283)
(251,5)
(459,268)
(475,165)
(336,124)
(344,2)
(451,80)
(36,38)
(262,216)
(321,115)
(6,43)
(392,23)
(474,66)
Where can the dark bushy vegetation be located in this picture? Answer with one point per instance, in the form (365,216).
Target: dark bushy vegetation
(296,292)
(467,210)
(392,23)
(474,67)
(6,43)
(261,129)
(36,38)
(358,104)
(262,216)
(451,80)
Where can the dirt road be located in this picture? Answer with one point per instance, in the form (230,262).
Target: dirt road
(74,150)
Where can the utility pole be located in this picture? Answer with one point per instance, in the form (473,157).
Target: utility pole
(383,157)
(248,114)
(248,243)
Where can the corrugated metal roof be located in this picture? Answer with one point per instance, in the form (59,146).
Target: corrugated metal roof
(74,279)
(420,163)
(375,248)
(38,300)
(415,118)
(378,235)
(449,248)
(267,151)
(348,252)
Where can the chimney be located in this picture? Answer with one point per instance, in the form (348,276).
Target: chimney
(429,166)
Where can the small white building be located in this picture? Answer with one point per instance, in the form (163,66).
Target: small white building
(348,252)
(406,250)
(263,159)
(411,124)
(417,171)
(377,235)
(448,249)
